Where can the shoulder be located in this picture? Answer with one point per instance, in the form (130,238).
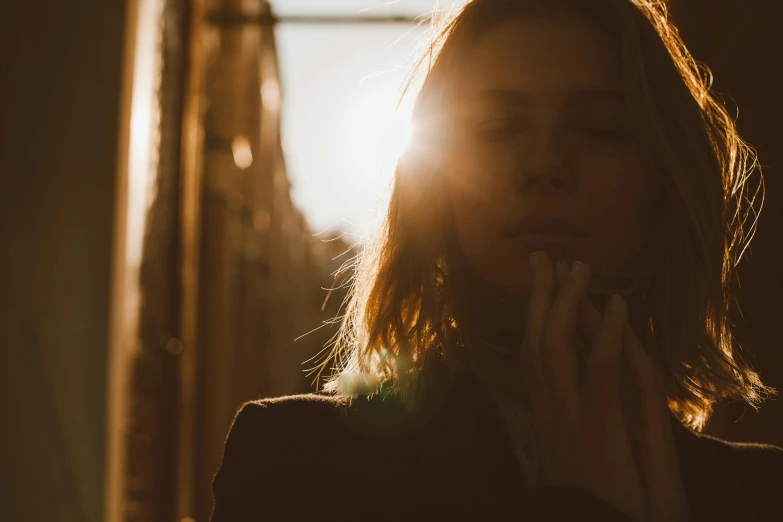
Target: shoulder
(756,464)
(746,476)
(315,416)
(265,426)
(288,413)
(275,446)
(271,445)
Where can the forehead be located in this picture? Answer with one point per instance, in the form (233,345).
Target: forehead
(542,57)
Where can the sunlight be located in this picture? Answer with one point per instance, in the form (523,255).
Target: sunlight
(342,131)
(378,132)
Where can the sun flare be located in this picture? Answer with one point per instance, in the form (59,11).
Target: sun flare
(378,131)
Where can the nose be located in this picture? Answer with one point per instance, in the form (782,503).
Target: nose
(542,166)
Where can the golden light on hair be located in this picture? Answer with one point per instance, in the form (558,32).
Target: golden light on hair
(402,299)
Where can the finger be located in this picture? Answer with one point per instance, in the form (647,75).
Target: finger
(657,450)
(648,378)
(589,323)
(539,302)
(540,299)
(562,273)
(588,327)
(603,382)
(559,357)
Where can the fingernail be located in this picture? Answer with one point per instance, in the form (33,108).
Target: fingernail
(575,267)
(616,304)
(533,260)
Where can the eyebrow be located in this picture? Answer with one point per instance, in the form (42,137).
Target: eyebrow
(511,97)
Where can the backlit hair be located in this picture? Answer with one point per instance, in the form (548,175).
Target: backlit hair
(400,309)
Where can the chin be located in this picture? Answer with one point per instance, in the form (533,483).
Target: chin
(512,274)
(557,250)
(513,278)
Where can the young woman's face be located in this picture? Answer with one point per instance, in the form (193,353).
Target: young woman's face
(542,131)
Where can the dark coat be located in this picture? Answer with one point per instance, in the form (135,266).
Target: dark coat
(315,457)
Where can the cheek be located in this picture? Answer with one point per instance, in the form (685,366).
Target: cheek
(478,172)
(472,185)
(619,214)
(472,210)
(475,189)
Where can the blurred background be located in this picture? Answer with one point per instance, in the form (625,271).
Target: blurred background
(179,181)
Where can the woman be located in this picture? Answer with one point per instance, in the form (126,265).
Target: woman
(541,329)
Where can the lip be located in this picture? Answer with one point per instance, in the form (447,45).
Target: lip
(544,228)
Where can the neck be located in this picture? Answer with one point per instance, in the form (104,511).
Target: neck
(491,315)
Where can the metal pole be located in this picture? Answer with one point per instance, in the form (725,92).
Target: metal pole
(225,18)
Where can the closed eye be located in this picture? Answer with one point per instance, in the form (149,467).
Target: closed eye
(500,129)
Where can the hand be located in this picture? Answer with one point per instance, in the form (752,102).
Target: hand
(581,435)
(648,417)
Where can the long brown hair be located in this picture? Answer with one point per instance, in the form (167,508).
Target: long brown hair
(400,310)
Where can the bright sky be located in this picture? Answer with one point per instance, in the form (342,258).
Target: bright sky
(341,83)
